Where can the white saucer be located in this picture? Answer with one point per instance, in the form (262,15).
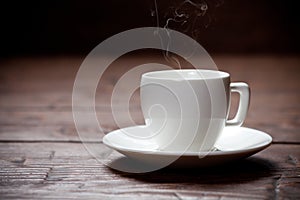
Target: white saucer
(234,143)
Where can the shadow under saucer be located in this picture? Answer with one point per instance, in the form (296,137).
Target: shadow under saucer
(243,170)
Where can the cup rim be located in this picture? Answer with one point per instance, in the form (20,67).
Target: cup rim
(203,74)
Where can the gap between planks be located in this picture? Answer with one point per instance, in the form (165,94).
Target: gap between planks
(78,141)
(49,141)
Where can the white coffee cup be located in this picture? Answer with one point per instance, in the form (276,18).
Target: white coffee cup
(186,110)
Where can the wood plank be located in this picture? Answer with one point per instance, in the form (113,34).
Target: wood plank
(57,133)
(48,82)
(42,87)
(59,125)
(32,170)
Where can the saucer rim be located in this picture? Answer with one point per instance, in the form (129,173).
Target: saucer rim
(178,153)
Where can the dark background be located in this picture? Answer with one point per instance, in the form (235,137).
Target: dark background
(76,27)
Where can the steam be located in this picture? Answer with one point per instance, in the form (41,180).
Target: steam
(156,11)
(188,16)
(185,11)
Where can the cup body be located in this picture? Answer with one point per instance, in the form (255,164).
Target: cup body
(185,110)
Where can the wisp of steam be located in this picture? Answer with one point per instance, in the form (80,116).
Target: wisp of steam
(185,16)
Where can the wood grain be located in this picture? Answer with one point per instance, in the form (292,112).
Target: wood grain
(54,169)
(59,125)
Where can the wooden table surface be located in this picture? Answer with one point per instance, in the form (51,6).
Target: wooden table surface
(41,155)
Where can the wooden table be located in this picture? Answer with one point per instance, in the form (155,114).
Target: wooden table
(41,155)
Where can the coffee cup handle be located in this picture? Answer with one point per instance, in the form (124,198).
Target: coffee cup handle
(244,92)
